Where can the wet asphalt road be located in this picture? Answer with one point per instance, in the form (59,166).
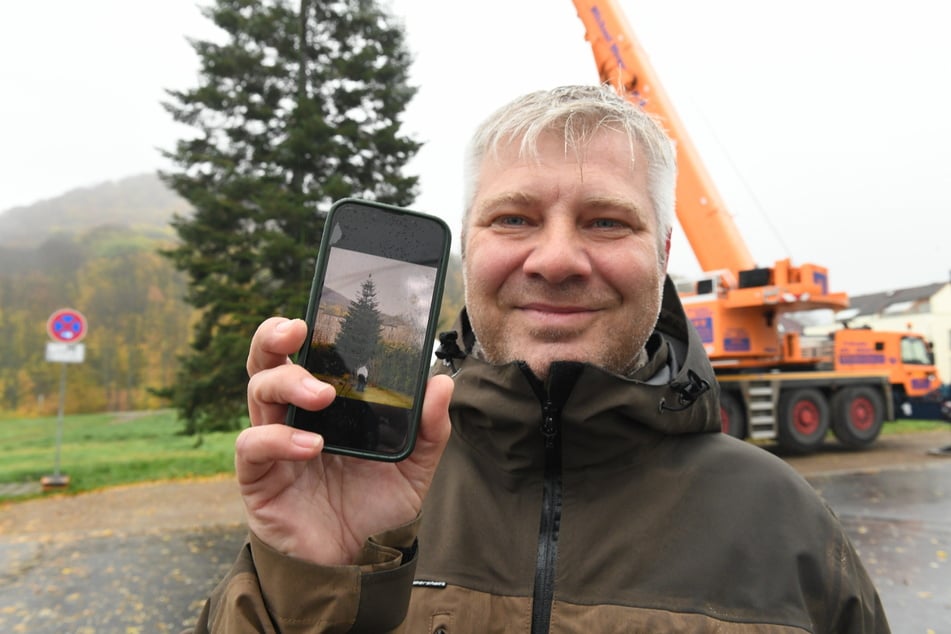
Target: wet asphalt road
(123,584)
(900,522)
(156,580)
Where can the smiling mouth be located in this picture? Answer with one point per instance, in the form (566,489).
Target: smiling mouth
(556,309)
(551,316)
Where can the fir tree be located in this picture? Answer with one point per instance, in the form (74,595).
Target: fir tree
(359,335)
(297,106)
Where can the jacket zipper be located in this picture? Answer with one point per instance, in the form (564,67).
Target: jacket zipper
(550,521)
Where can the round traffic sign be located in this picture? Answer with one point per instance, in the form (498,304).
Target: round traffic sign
(66,325)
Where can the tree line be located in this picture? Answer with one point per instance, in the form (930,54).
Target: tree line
(132,299)
(139,322)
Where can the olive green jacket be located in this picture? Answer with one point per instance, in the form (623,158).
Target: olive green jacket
(590,503)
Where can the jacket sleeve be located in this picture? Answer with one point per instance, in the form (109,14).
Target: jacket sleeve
(859,607)
(266,591)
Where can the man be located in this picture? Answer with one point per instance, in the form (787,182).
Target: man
(585,486)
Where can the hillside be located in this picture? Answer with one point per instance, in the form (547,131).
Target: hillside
(141,203)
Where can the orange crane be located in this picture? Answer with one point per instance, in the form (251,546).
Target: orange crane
(773,384)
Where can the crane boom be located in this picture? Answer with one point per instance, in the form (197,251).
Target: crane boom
(711,231)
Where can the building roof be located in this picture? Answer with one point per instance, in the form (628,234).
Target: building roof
(895,301)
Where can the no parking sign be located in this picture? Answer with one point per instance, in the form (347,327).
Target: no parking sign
(66,325)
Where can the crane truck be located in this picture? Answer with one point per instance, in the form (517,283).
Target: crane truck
(774,384)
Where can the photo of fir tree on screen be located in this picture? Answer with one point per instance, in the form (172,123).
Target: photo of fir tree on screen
(370,325)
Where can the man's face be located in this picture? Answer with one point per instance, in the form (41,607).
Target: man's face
(561,256)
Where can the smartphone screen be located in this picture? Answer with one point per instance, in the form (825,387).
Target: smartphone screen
(371,322)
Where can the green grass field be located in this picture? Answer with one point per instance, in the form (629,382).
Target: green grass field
(100,450)
(908,425)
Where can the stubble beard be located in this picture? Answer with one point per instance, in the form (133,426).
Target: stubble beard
(609,352)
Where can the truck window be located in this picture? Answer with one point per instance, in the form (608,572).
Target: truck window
(914,350)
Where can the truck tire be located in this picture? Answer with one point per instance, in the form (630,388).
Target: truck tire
(732,416)
(858,414)
(803,420)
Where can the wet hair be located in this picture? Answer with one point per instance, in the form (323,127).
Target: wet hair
(579,113)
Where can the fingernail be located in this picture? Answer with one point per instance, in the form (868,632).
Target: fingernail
(284,326)
(305,439)
(317,388)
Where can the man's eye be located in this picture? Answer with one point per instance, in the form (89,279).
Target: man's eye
(607,223)
(511,221)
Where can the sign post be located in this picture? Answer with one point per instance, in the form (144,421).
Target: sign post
(66,328)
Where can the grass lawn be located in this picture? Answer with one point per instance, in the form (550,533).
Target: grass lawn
(909,425)
(100,450)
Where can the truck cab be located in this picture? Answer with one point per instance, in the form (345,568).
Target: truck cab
(905,356)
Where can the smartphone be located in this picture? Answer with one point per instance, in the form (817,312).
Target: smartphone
(371,321)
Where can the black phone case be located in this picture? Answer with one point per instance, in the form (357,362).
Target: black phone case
(352,426)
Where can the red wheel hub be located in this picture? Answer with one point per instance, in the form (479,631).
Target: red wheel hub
(861,414)
(805,417)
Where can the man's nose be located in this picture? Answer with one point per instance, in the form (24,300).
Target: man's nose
(558,254)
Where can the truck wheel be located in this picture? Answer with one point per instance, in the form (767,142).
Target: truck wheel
(732,416)
(858,415)
(803,420)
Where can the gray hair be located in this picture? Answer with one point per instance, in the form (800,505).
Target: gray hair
(579,112)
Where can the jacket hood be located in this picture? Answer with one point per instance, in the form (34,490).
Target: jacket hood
(674,393)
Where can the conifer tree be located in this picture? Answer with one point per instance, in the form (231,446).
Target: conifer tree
(298,105)
(359,334)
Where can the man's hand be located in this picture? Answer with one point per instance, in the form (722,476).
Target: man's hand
(315,506)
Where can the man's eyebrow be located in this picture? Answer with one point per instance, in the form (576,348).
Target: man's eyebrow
(518,199)
(614,203)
